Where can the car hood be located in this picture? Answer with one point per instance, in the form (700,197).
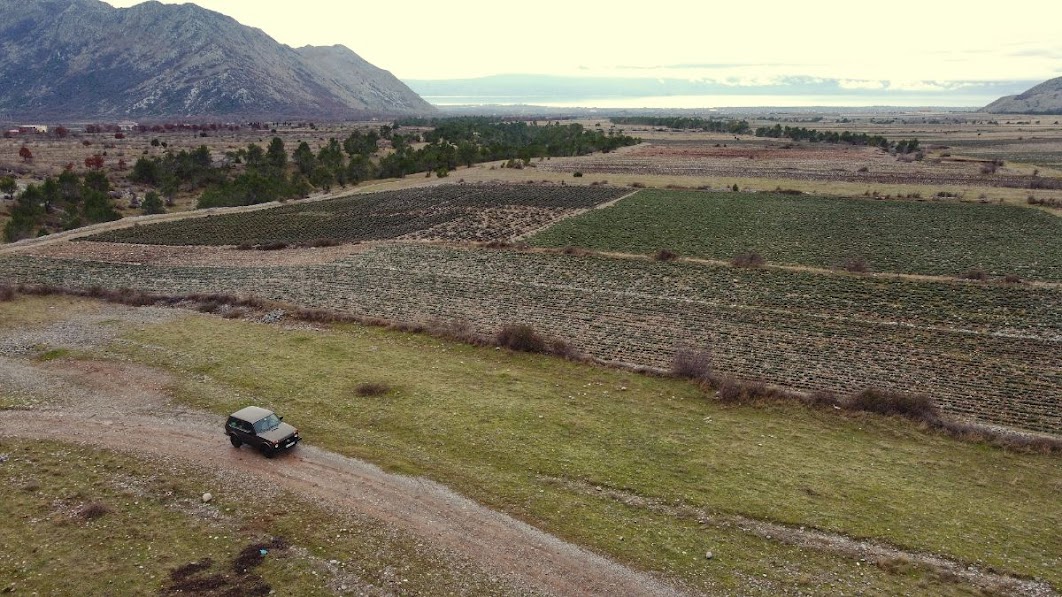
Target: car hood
(282,431)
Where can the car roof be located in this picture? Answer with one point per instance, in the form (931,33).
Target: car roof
(252,413)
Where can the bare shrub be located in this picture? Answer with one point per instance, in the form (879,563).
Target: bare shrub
(317,316)
(856,265)
(370,389)
(520,337)
(665,255)
(273,246)
(691,363)
(7,293)
(1044,201)
(637,185)
(1012,279)
(454,329)
(1007,440)
(734,391)
(749,259)
(570,250)
(975,273)
(917,407)
(93,510)
(565,350)
(821,399)
(321,242)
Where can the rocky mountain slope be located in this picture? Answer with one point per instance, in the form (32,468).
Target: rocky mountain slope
(1045,98)
(87,59)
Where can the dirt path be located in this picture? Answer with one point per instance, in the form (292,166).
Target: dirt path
(124,408)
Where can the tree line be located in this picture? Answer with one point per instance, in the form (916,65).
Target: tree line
(470,140)
(709,125)
(777,131)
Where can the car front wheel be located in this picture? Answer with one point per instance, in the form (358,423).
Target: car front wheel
(267,451)
(236,443)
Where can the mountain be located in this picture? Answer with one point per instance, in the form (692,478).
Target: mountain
(87,59)
(1045,98)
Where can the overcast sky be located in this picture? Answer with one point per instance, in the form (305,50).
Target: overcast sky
(906,43)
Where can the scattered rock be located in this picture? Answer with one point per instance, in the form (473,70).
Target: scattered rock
(207,497)
(709,555)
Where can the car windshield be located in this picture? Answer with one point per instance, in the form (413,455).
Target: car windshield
(263,425)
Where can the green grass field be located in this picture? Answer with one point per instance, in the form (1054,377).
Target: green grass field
(534,436)
(933,238)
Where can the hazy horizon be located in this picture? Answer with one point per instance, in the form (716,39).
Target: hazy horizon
(911,50)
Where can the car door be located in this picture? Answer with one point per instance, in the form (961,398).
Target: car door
(248,434)
(241,430)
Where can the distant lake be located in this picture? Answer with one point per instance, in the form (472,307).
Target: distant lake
(726,101)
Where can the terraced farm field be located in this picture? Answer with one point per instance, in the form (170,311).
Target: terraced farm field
(986,351)
(450,212)
(934,238)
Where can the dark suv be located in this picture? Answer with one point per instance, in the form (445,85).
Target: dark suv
(262,429)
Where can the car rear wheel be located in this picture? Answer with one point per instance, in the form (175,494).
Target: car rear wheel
(236,443)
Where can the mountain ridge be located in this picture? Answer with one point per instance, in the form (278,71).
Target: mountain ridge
(84,58)
(1045,98)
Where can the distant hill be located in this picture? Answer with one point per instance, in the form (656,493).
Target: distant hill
(87,59)
(700,91)
(1045,98)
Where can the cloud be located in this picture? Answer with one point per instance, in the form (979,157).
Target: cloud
(922,86)
(1049,53)
(861,84)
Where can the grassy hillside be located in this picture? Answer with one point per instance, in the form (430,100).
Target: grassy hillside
(945,239)
(649,470)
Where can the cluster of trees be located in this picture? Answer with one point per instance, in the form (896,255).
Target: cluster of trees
(454,142)
(483,140)
(271,175)
(815,136)
(62,203)
(711,125)
(190,170)
(265,178)
(268,174)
